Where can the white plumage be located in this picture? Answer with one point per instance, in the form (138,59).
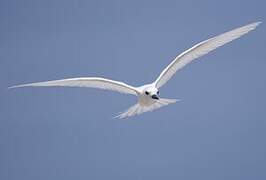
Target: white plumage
(92,82)
(148,99)
(201,49)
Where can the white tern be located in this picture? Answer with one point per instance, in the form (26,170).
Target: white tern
(148,95)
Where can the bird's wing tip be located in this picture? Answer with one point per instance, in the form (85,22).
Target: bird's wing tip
(12,87)
(254,24)
(16,86)
(257,23)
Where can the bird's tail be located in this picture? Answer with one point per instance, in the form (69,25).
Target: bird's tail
(138,109)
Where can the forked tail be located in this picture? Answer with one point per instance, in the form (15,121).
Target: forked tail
(138,109)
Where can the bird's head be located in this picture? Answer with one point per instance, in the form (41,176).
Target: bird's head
(152,92)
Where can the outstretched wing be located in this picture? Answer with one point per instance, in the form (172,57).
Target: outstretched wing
(92,82)
(201,49)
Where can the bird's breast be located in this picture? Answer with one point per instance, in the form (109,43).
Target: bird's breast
(145,100)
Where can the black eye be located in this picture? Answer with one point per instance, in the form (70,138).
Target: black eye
(158,92)
(147,93)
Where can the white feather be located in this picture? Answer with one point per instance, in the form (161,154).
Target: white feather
(92,82)
(139,109)
(201,49)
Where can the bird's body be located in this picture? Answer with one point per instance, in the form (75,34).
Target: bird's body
(148,100)
(143,98)
(148,95)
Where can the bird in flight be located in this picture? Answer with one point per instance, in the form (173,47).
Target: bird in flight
(148,95)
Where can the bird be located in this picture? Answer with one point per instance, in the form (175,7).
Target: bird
(148,98)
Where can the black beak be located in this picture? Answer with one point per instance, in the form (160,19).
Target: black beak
(154,97)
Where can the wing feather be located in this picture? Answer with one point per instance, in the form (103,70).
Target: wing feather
(91,82)
(201,49)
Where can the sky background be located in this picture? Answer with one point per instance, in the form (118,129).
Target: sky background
(216,132)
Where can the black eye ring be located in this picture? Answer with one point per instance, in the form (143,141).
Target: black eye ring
(147,93)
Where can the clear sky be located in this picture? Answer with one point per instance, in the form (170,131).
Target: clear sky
(216,132)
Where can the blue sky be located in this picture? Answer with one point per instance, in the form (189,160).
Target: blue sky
(216,132)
